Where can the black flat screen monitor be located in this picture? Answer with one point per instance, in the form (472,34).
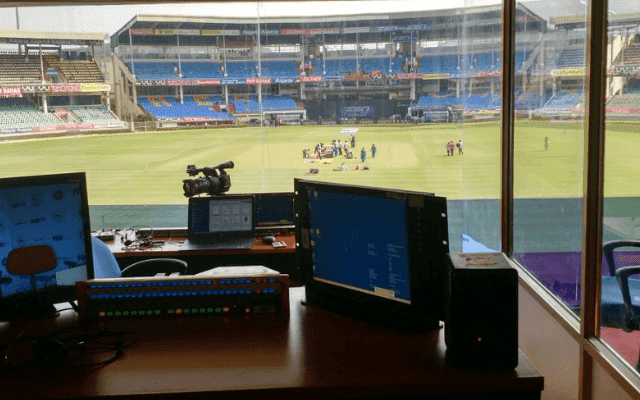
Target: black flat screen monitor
(221,218)
(45,241)
(371,252)
(274,209)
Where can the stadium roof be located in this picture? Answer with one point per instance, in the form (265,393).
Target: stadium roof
(148,24)
(15,36)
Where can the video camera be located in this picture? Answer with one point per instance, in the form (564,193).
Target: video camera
(212,182)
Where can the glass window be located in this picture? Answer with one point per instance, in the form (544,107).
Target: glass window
(548,146)
(275,95)
(621,226)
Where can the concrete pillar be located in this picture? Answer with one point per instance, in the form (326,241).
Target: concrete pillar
(44,103)
(413,89)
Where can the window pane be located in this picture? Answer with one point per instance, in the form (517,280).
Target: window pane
(246,83)
(549,131)
(621,188)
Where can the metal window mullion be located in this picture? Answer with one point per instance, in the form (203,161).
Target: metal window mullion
(593,185)
(508,118)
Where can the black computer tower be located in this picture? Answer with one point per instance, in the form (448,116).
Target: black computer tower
(481,311)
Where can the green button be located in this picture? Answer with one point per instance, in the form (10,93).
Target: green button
(157,312)
(209,309)
(134,313)
(149,312)
(202,310)
(187,311)
(218,309)
(118,313)
(125,313)
(170,311)
(110,313)
(194,310)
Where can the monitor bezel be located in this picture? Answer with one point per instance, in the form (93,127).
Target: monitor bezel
(426,267)
(19,303)
(218,237)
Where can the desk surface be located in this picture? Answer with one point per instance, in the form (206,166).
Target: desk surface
(313,354)
(176,246)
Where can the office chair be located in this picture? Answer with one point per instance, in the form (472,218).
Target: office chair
(618,309)
(106,266)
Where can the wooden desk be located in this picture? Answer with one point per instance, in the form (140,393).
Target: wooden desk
(314,354)
(201,258)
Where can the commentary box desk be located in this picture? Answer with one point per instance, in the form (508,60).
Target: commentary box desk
(310,354)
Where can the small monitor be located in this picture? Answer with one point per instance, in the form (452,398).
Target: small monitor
(371,252)
(221,218)
(45,241)
(274,209)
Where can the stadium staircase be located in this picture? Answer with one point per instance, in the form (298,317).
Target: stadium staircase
(80,71)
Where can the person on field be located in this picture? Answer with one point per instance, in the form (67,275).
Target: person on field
(448,149)
(363,154)
(373,151)
(339,147)
(459,146)
(353,141)
(546,142)
(452,146)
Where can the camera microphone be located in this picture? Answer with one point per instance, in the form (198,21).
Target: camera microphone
(224,165)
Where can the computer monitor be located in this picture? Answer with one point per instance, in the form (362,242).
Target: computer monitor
(373,253)
(45,241)
(221,218)
(274,209)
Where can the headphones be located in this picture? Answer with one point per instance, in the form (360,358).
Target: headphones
(47,353)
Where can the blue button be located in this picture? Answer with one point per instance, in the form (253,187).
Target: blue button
(154,283)
(119,295)
(215,292)
(271,280)
(174,293)
(202,292)
(202,282)
(100,296)
(249,291)
(241,291)
(181,293)
(234,281)
(272,290)
(174,283)
(160,283)
(208,291)
(147,294)
(209,282)
(126,285)
(154,294)
(228,291)
(140,294)
(106,296)
(147,283)
(161,294)
(139,284)
(119,284)
(93,296)
(126,295)
(194,282)
(235,291)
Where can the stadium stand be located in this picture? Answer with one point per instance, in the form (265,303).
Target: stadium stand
(436,101)
(81,71)
(18,114)
(93,114)
(18,69)
(571,58)
(199,70)
(630,55)
(170,108)
(241,69)
(565,100)
(154,71)
(384,65)
(334,67)
(279,69)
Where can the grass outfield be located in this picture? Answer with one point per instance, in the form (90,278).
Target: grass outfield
(148,168)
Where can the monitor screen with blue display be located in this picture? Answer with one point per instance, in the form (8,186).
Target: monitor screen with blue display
(45,242)
(372,252)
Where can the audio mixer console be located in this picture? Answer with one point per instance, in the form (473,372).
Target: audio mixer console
(221,291)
